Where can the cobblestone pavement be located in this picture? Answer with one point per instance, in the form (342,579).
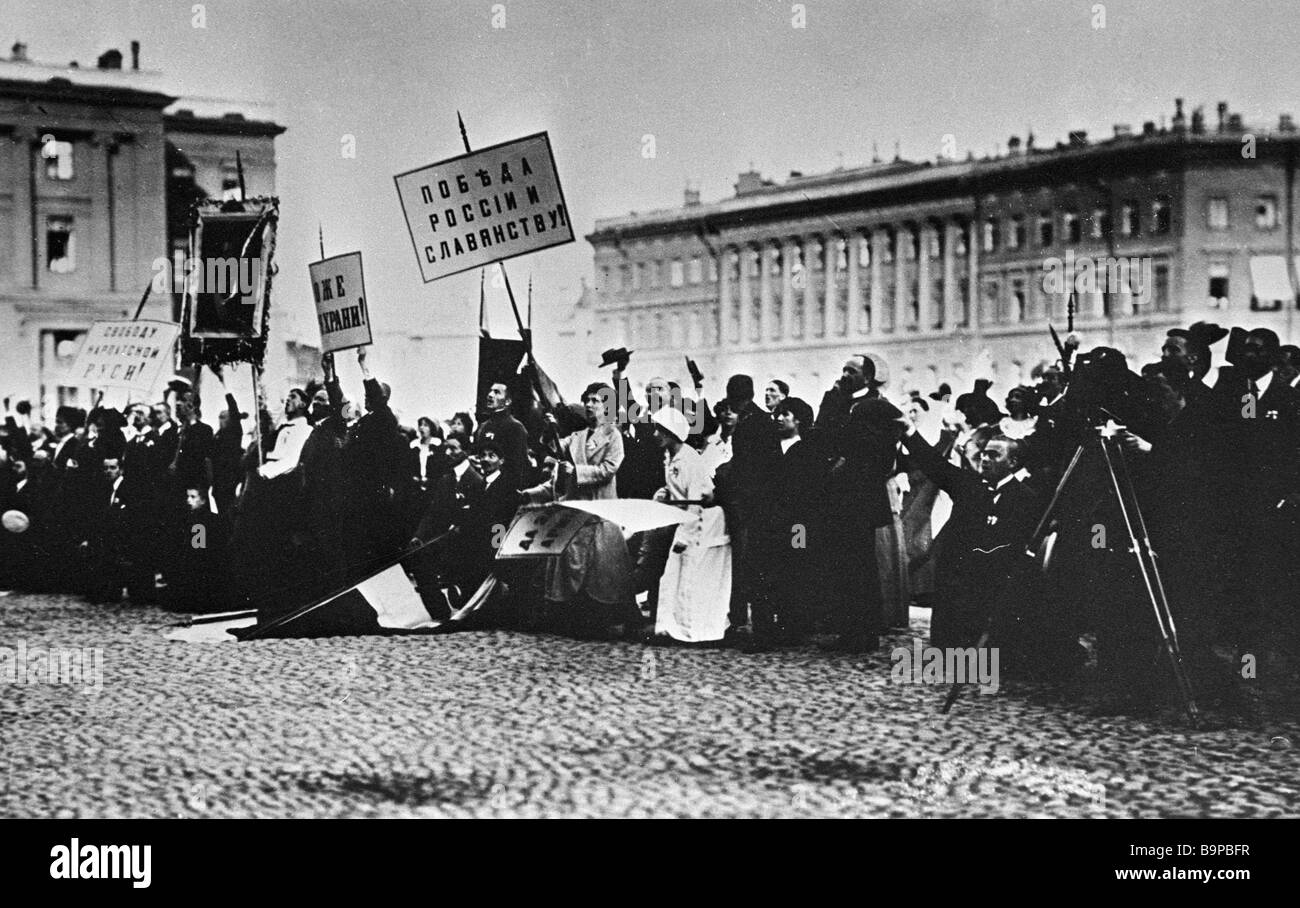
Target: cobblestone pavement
(516,724)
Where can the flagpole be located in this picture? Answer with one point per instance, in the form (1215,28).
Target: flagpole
(262,630)
(320,231)
(482,302)
(519,322)
(239,166)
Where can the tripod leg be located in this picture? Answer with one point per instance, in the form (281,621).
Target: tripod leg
(1163,618)
(1148,548)
(1040,531)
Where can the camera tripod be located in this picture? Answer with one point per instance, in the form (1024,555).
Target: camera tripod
(1135,526)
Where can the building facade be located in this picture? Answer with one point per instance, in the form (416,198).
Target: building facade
(97,171)
(952,268)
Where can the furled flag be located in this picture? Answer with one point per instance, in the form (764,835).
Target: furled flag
(385,603)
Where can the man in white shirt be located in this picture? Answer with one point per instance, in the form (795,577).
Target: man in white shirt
(289,440)
(137,422)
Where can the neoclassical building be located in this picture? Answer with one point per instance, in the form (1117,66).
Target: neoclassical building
(952,266)
(98,166)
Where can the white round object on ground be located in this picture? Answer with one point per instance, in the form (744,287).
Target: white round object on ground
(15,521)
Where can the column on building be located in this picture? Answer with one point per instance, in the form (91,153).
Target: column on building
(808,324)
(766,316)
(787,289)
(853,289)
(951,302)
(878,242)
(724,295)
(902,237)
(743,257)
(924,309)
(830,263)
(973,264)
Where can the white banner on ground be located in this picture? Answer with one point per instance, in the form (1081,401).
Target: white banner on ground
(483,207)
(339,288)
(125,354)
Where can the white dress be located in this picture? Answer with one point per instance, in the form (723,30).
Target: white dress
(695,590)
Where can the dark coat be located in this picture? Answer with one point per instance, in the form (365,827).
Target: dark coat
(510,434)
(981,549)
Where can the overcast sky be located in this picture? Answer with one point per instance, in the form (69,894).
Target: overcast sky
(718,84)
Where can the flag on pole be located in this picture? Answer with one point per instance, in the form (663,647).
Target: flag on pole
(384,603)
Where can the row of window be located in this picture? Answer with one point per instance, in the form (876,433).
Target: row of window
(997,233)
(58,156)
(1073,223)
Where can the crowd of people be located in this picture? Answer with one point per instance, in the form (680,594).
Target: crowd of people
(798,524)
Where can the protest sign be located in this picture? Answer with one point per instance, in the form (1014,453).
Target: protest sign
(542,531)
(485,206)
(125,354)
(341,312)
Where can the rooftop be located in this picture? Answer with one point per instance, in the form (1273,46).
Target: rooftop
(122,80)
(753,191)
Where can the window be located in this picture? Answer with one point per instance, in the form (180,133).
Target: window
(1071,227)
(1016,233)
(841,255)
(936,243)
(1266,212)
(695,273)
(962,242)
(774,262)
(1160,292)
(864,252)
(60,245)
(676,274)
(652,271)
(58,158)
(887,253)
(1216,213)
(605,278)
(1129,218)
(1160,215)
(229,183)
(713,269)
(1218,286)
(1100,226)
(1046,229)
(1017,300)
(816,250)
(991,235)
(625,277)
(638,275)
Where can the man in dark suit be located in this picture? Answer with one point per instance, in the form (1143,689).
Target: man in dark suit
(1262,464)
(744,490)
(453,496)
(788,541)
(501,427)
(144,489)
(981,548)
(857,431)
(374,468)
(104,534)
(488,517)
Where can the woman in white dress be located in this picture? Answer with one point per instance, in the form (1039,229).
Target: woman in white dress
(695,589)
